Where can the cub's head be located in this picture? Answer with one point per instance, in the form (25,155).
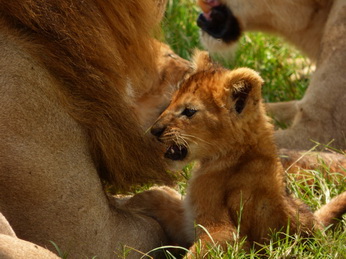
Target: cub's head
(214,111)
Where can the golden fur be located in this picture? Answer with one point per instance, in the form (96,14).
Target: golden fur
(95,58)
(149,102)
(317,27)
(68,122)
(218,119)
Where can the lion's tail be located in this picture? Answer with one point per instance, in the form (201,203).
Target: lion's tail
(332,211)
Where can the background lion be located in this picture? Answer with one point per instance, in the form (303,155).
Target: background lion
(317,27)
(68,122)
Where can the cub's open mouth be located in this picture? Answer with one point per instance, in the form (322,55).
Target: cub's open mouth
(176,152)
(220,23)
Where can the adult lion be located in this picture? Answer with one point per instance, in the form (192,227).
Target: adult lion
(67,122)
(318,28)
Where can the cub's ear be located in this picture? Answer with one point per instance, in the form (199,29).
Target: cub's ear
(201,61)
(244,84)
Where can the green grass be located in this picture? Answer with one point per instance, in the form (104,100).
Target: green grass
(279,64)
(180,28)
(285,72)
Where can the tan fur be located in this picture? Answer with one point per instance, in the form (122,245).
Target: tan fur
(239,171)
(317,27)
(300,163)
(5,227)
(11,247)
(67,123)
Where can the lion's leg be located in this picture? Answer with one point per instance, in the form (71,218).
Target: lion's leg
(166,206)
(5,227)
(321,113)
(282,112)
(67,205)
(49,187)
(330,164)
(12,247)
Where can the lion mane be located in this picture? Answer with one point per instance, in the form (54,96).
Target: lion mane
(87,45)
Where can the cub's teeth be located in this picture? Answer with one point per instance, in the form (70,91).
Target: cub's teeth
(170,149)
(175,152)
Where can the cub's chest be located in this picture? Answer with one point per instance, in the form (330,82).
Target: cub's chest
(207,196)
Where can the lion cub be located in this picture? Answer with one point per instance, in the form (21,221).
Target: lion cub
(217,118)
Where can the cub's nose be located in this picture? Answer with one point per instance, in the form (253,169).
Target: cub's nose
(157,130)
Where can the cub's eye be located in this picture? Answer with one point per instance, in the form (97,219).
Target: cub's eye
(188,112)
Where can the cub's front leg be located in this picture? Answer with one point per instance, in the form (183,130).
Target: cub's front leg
(166,206)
